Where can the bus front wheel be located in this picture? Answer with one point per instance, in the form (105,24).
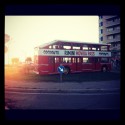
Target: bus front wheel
(67,70)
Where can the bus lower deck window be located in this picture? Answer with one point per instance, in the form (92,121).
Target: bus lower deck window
(104,60)
(85,60)
(66,60)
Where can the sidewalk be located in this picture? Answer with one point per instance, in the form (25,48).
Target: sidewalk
(63,87)
(116,70)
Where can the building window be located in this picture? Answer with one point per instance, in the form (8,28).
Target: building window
(117,19)
(117,36)
(101,38)
(110,29)
(101,23)
(101,31)
(117,28)
(110,37)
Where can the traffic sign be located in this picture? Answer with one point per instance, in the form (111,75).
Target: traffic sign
(61,69)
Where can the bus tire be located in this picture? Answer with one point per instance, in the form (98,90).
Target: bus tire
(67,70)
(104,68)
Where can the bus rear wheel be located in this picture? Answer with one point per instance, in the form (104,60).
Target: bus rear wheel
(104,69)
(67,70)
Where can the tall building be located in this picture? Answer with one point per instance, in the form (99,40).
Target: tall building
(109,33)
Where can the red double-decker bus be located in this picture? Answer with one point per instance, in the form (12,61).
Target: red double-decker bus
(74,56)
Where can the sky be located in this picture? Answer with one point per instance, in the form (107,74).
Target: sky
(26,32)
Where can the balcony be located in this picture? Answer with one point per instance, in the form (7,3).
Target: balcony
(111,23)
(108,17)
(116,48)
(113,40)
(112,32)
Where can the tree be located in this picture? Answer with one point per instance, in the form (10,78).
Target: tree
(28,60)
(15,61)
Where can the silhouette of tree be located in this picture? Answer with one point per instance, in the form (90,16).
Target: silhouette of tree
(15,61)
(28,60)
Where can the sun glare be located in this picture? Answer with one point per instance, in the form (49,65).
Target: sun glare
(29,31)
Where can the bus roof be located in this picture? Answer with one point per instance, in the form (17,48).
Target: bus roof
(66,41)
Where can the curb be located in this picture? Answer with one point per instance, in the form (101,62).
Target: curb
(63,90)
(79,91)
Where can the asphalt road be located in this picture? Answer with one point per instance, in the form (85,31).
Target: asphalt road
(24,100)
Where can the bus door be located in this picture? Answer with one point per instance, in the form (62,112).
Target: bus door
(78,64)
(87,65)
(97,64)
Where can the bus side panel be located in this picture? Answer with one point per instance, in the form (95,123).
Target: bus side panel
(73,68)
(51,65)
(56,67)
(87,66)
(78,64)
(97,64)
(43,65)
(92,65)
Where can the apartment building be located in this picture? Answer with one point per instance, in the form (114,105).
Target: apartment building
(109,33)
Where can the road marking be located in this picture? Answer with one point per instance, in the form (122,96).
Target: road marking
(59,93)
(59,89)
